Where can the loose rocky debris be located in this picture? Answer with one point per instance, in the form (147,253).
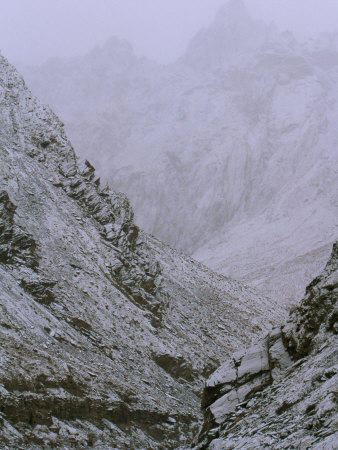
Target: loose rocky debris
(106,333)
(281,392)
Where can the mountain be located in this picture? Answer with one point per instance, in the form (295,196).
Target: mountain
(282,392)
(106,333)
(229,154)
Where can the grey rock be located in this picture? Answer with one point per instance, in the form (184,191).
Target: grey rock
(255,361)
(279,357)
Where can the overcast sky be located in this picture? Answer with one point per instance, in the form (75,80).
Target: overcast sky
(31,31)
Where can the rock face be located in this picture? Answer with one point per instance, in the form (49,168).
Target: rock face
(16,245)
(281,392)
(106,333)
(228,154)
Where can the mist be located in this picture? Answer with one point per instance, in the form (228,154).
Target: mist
(168,221)
(31,31)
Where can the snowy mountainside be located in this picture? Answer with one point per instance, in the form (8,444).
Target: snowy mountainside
(229,154)
(106,333)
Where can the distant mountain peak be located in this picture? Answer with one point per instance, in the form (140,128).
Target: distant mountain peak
(234,17)
(114,43)
(115,50)
(234,31)
(233,10)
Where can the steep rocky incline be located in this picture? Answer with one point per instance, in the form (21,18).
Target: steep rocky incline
(282,392)
(106,333)
(229,154)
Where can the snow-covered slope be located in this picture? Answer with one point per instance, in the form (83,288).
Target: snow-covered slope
(229,154)
(106,333)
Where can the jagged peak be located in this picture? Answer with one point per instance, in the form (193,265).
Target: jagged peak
(232,32)
(116,45)
(118,51)
(231,12)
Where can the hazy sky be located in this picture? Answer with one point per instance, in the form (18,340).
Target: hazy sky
(33,30)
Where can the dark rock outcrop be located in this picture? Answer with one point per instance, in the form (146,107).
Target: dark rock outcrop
(317,314)
(295,366)
(40,290)
(16,246)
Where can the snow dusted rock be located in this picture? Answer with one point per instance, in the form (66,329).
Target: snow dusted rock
(233,383)
(279,358)
(229,154)
(106,333)
(255,361)
(295,366)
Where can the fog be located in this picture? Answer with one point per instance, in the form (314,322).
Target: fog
(31,31)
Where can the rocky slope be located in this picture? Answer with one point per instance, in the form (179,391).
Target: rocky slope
(282,392)
(106,333)
(229,154)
